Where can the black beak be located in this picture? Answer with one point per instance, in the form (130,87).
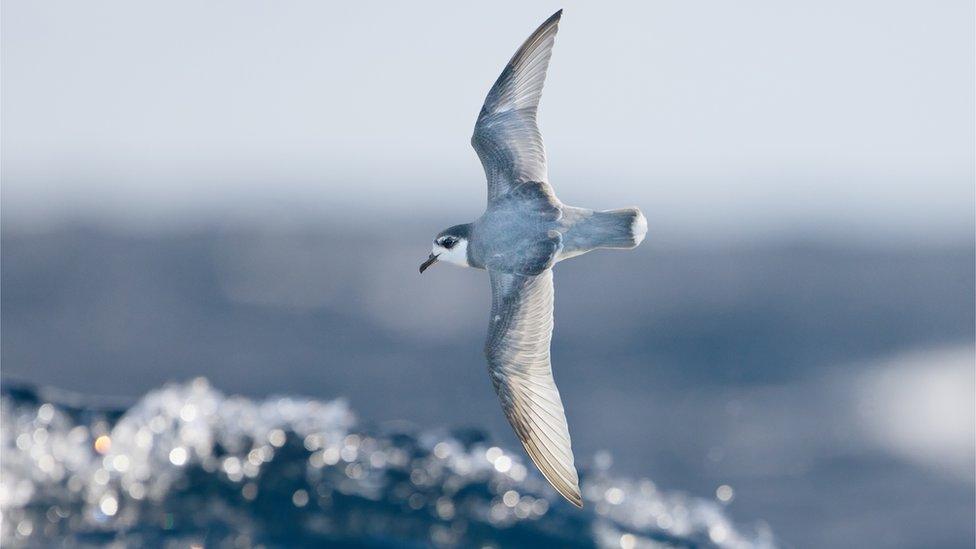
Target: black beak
(430,261)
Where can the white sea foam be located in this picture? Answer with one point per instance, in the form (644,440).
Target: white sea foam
(187,464)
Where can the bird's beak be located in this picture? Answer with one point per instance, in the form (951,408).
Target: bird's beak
(430,261)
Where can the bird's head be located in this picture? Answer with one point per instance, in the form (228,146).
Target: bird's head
(450,245)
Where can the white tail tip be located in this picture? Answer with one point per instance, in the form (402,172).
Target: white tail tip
(639,228)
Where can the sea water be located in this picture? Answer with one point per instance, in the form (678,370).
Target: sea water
(187,466)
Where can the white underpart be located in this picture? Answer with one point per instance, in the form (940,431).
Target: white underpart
(639,228)
(457,255)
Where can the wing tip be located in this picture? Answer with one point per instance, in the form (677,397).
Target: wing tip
(574,497)
(570,491)
(552,21)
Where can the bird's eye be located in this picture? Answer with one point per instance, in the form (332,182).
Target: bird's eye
(448,242)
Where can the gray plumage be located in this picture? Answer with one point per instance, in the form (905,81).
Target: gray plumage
(524,231)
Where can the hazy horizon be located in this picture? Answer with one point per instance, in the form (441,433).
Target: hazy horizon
(857,124)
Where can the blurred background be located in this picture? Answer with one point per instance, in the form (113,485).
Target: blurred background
(242,191)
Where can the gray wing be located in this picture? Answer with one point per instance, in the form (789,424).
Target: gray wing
(506,136)
(519,333)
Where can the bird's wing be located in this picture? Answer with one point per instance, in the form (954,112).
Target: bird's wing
(506,136)
(519,332)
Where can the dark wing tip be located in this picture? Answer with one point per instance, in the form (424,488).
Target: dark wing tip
(553,20)
(576,499)
(572,494)
(550,23)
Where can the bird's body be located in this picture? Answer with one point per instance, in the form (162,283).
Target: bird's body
(528,231)
(524,231)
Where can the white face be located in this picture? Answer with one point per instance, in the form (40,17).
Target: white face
(451,249)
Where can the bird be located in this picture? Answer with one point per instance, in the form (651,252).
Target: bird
(524,231)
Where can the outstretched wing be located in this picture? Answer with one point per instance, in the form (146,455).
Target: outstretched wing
(519,333)
(506,136)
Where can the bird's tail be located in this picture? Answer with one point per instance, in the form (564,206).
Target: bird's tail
(624,228)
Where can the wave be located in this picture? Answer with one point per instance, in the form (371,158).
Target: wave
(188,466)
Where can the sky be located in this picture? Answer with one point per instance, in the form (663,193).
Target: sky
(746,119)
